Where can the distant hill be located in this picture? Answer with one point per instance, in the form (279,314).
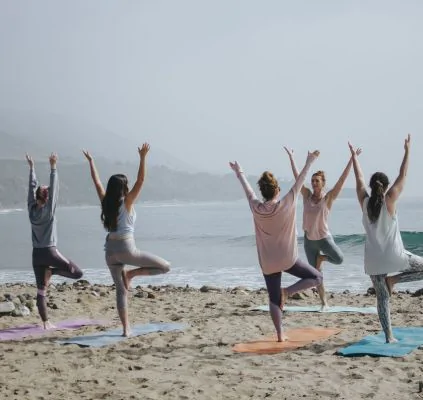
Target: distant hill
(162,183)
(169,178)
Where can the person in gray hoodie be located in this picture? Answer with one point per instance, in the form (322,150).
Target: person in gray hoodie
(46,259)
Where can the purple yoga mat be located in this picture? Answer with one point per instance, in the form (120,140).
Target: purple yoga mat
(36,330)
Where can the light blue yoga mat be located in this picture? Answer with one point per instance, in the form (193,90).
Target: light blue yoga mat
(332,309)
(115,335)
(408,340)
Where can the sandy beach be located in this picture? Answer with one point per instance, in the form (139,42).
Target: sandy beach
(198,363)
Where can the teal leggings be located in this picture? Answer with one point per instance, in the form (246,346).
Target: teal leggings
(326,246)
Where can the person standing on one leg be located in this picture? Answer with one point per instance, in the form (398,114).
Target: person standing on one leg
(276,238)
(118,217)
(46,259)
(319,245)
(384,250)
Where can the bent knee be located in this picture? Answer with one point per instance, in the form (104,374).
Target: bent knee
(166,268)
(338,259)
(75,271)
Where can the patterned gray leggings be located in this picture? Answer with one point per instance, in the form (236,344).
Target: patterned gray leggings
(413,273)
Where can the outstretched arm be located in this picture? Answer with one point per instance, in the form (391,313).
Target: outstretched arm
(249,192)
(304,190)
(311,157)
(32,186)
(136,189)
(334,193)
(94,176)
(53,194)
(360,185)
(398,186)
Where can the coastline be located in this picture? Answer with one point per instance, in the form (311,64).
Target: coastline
(198,362)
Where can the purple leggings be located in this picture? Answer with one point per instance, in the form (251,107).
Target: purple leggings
(309,277)
(50,258)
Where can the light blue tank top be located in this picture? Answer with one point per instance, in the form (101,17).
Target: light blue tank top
(125,221)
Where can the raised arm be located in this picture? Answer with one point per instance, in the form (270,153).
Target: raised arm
(360,185)
(302,175)
(136,189)
(334,193)
(396,189)
(53,193)
(304,190)
(95,177)
(249,192)
(32,186)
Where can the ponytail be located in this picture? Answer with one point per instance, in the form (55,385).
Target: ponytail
(379,182)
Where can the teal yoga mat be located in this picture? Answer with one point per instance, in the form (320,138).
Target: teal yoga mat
(408,340)
(115,335)
(332,309)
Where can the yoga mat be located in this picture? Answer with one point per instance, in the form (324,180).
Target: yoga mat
(296,338)
(22,331)
(113,336)
(331,309)
(374,345)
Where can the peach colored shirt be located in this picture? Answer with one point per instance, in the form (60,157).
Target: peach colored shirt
(315,218)
(275,226)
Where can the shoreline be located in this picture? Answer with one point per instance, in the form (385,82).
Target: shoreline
(84,284)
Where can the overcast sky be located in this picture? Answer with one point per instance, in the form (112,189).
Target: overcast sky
(210,81)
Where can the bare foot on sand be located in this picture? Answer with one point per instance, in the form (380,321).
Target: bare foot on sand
(48,325)
(127,332)
(282,337)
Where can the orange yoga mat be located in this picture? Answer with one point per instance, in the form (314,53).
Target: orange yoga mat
(296,338)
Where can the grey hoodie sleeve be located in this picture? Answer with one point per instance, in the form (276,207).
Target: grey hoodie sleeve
(32,187)
(53,192)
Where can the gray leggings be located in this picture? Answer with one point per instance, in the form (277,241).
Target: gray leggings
(327,246)
(124,252)
(413,273)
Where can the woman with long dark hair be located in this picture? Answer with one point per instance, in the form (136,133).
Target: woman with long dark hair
(118,218)
(276,238)
(384,250)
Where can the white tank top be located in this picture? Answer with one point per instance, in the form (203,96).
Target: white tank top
(315,218)
(384,251)
(125,222)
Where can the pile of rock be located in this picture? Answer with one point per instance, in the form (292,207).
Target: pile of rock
(17,306)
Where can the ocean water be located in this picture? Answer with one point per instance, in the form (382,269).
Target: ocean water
(206,243)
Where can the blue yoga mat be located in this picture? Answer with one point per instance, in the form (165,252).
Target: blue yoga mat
(408,340)
(332,309)
(115,335)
